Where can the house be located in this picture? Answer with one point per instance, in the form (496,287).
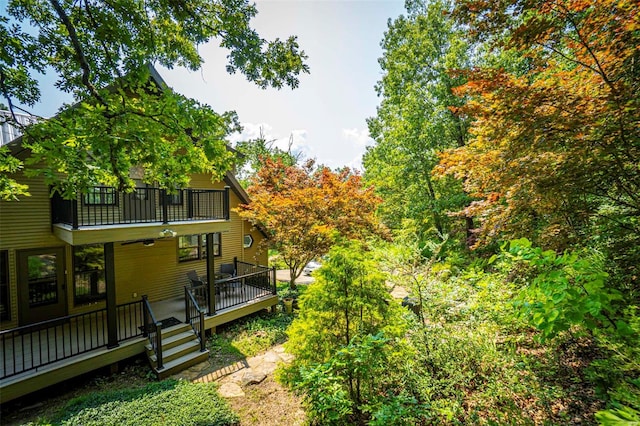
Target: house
(88,282)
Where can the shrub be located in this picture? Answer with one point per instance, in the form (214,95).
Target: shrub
(347,333)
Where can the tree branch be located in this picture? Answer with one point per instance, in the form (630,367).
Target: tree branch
(82,60)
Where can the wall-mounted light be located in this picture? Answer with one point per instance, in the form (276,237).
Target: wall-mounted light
(168,233)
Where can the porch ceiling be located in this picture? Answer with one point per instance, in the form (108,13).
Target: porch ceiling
(135,231)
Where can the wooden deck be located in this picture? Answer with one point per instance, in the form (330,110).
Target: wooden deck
(44,346)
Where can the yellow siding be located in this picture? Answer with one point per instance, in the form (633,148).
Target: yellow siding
(25,224)
(256,253)
(139,270)
(156,272)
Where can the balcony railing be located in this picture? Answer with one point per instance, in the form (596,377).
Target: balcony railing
(103,205)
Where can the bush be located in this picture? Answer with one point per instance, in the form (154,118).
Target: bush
(347,333)
(167,402)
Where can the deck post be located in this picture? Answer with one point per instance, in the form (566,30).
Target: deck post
(211,275)
(74,213)
(110,281)
(274,285)
(226,203)
(165,207)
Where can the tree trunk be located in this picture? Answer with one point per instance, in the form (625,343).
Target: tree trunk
(471,237)
(292,279)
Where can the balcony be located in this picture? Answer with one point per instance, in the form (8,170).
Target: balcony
(103,205)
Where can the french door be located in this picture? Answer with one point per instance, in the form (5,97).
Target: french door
(41,284)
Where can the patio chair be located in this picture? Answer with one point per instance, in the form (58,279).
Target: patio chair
(197,287)
(195,280)
(193,276)
(230,269)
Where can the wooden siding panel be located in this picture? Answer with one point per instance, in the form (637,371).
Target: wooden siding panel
(154,271)
(24,224)
(27,223)
(256,253)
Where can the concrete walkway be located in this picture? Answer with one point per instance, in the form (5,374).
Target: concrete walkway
(284,275)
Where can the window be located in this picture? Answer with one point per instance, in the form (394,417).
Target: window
(5,312)
(100,196)
(247,241)
(88,280)
(189,247)
(194,247)
(174,199)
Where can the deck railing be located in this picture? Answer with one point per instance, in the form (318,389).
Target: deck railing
(37,345)
(152,330)
(106,206)
(195,316)
(251,282)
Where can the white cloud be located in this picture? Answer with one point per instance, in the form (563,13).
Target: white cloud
(252,131)
(299,138)
(360,137)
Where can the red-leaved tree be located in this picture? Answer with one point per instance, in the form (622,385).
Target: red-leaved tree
(306,209)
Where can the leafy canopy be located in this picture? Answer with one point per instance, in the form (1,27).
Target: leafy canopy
(99,51)
(555,146)
(348,336)
(415,120)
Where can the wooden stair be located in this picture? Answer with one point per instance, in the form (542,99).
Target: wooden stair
(180,350)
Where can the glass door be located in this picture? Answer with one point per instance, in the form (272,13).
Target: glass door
(139,205)
(41,284)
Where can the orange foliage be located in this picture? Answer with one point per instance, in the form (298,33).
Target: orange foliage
(306,209)
(548,142)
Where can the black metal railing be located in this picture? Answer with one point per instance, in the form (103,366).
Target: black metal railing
(195,316)
(152,330)
(37,345)
(130,320)
(106,206)
(240,289)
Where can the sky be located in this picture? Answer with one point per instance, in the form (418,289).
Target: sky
(325,116)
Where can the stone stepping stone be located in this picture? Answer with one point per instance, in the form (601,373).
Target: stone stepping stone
(230,390)
(253,378)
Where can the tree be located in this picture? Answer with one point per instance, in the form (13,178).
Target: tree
(306,210)
(99,49)
(416,120)
(253,153)
(555,149)
(346,339)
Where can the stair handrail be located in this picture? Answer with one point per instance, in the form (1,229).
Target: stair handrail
(192,306)
(153,331)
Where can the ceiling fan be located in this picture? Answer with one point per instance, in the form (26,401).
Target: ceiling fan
(149,242)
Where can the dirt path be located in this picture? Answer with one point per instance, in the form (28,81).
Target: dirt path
(251,390)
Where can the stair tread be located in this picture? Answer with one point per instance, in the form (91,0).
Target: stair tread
(184,359)
(195,344)
(166,341)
